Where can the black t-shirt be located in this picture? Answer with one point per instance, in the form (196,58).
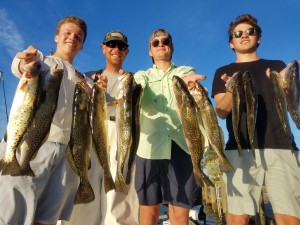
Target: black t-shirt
(269,131)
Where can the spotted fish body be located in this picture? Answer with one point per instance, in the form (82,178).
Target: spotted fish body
(22,112)
(98,120)
(292,86)
(186,107)
(281,104)
(124,129)
(251,107)
(77,151)
(209,119)
(40,126)
(237,103)
(136,106)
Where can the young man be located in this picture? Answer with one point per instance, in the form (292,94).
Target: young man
(275,165)
(111,208)
(164,172)
(49,195)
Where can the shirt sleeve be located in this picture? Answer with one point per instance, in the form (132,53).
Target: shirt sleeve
(184,71)
(140,77)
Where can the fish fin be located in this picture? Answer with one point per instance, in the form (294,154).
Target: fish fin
(120,184)
(113,103)
(84,194)
(24,86)
(109,183)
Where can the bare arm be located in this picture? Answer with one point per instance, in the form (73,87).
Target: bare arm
(223,101)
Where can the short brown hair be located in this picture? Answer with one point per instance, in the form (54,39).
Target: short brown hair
(73,19)
(245,18)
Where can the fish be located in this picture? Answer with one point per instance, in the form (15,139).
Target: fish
(251,107)
(281,104)
(136,107)
(235,83)
(98,123)
(22,112)
(207,114)
(195,139)
(292,87)
(39,128)
(78,148)
(124,128)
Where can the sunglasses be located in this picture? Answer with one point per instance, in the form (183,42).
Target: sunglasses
(113,44)
(250,32)
(164,41)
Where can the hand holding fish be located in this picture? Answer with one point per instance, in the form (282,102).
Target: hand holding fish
(193,78)
(27,56)
(227,78)
(102,81)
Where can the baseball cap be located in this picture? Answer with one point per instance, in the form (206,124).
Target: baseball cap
(115,35)
(160,32)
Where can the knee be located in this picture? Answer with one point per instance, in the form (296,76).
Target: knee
(232,219)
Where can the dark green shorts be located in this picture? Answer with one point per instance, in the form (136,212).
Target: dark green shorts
(167,181)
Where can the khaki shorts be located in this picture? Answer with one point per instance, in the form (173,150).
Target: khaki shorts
(46,197)
(277,169)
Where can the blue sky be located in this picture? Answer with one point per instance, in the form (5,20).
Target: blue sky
(198,27)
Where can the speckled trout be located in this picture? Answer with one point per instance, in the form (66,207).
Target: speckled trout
(124,129)
(208,117)
(136,107)
(251,107)
(281,104)
(235,83)
(79,146)
(22,112)
(98,120)
(195,139)
(292,87)
(40,126)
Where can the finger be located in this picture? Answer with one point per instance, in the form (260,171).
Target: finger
(122,72)
(268,72)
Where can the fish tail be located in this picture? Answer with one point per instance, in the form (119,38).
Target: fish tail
(225,166)
(25,171)
(109,183)
(128,176)
(240,150)
(207,181)
(121,184)
(253,151)
(10,168)
(84,194)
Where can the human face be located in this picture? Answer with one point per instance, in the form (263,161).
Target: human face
(69,41)
(115,52)
(245,43)
(161,48)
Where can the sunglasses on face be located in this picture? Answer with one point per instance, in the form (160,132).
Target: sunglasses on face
(164,41)
(113,44)
(250,32)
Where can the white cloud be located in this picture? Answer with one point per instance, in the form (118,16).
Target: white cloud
(10,37)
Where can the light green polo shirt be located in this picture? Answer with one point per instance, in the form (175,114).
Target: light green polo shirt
(159,121)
